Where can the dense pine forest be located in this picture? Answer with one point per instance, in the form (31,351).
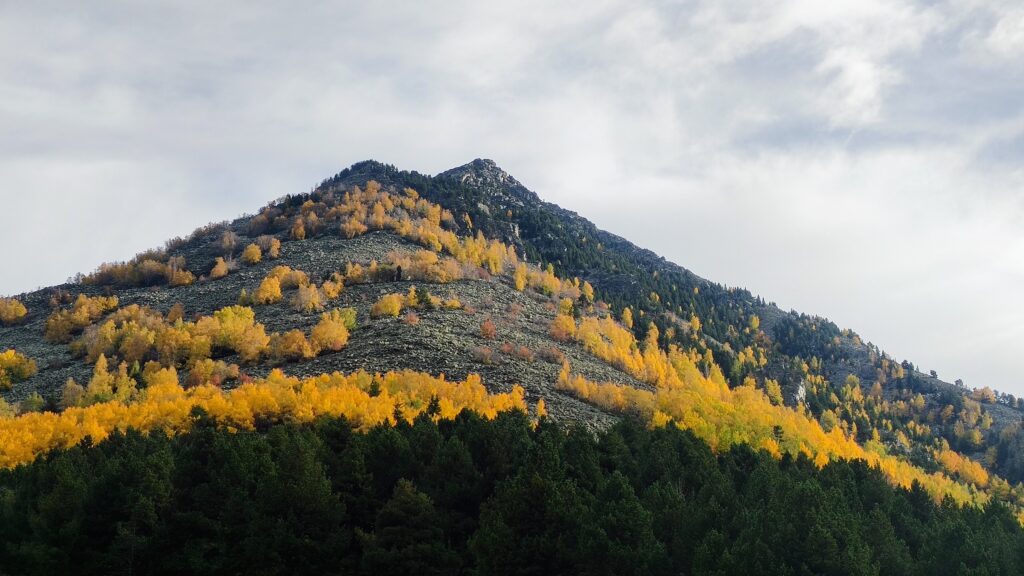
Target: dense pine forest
(475,496)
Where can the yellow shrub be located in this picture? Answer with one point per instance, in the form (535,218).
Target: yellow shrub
(211,372)
(353,227)
(11,311)
(332,288)
(291,345)
(235,328)
(390,305)
(299,229)
(252,254)
(289,278)
(270,245)
(219,270)
(330,333)
(268,292)
(62,324)
(15,367)
(563,328)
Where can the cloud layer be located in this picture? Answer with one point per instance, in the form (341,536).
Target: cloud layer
(860,160)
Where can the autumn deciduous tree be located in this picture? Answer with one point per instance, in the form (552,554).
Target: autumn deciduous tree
(307,299)
(289,277)
(627,317)
(353,227)
(519,277)
(348,315)
(542,409)
(63,324)
(695,324)
(290,346)
(212,372)
(11,311)
(176,312)
(252,254)
(176,273)
(773,391)
(15,367)
(563,328)
(298,231)
(268,292)
(219,270)
(235,328)
(331,332)
(587,291)
(270,246)
(565,306)
(332,287)
(389,305)
(72,394)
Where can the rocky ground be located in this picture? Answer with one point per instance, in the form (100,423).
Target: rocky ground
(443,341)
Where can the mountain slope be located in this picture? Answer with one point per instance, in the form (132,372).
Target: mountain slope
(809,359)
(626,275)
(398,372)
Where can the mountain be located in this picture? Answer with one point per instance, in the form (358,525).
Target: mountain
(626,275)
(396,301)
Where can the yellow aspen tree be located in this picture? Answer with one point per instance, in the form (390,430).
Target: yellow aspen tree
(519,277)
(252,254)
(588,292)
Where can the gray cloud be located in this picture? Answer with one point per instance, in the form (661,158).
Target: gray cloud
(856,159)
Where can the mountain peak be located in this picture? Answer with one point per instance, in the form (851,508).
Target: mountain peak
(485,175)
(482,172)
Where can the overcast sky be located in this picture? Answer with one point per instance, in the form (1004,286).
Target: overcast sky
(860,160)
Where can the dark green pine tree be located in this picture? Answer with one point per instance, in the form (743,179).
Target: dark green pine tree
(407,539)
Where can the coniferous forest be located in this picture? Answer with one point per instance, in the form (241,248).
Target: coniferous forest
(475,496)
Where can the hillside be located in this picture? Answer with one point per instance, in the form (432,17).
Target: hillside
(810,358)
(388,298)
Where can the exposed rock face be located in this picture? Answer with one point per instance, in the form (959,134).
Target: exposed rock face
(486,176)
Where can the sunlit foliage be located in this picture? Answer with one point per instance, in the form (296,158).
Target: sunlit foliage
(12,311)
(268,292)
(365,400)
(388,305)
(63,324)
(15,367)
(691,391)
(252,254)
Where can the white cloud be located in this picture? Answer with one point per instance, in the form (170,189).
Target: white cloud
(1007,36)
